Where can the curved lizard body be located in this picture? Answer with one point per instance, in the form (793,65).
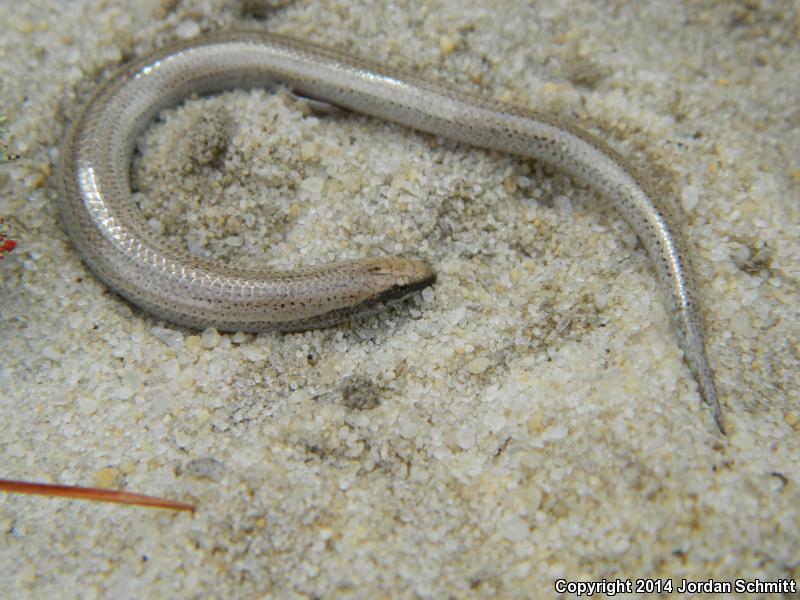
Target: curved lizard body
(108,229)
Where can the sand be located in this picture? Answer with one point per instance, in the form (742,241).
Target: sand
(528,419)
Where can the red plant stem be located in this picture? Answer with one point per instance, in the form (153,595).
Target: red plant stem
(94,494)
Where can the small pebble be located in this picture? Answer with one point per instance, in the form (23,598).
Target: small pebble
(446,44)
(187,29)
(210,338)
(313,185)
(465,437)
(408,429)
(690,197)
(88,405)
(478,365)
(193,343)
(105,478)
(514,529)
